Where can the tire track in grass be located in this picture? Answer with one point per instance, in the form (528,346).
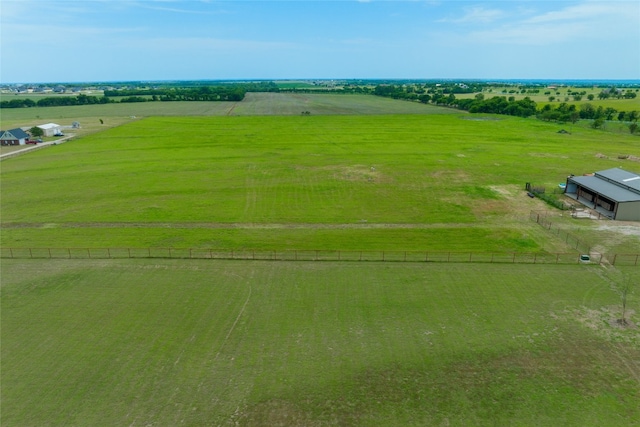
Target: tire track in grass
(179,417)
(226,338)
(251,195)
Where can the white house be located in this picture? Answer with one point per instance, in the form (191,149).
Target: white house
(51,129)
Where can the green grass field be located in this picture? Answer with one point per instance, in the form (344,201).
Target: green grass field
(143,342)
(382,182)
(254,104)
(166,342)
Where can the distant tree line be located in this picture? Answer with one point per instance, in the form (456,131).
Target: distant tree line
(498,105)
(81,99)
(446,96)
(564,113)
(228,92)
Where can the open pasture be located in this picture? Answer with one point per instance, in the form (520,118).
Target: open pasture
(254,104)
(563,94)
(196,342)
(396,182)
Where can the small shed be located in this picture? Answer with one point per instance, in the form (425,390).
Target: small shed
(614,193)
(13,137)
(50,129)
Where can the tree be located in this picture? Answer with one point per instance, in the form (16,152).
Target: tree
(624,291)
(37,132)
(587,111)
(574,116)
(597,123)
(610,112)
(590,97)
(633,127)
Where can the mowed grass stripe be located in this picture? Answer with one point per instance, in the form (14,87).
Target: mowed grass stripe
(147,342)
(106,356)
(439,239)
(449,169)
(153,172)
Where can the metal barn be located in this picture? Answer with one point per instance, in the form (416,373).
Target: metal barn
(614,193)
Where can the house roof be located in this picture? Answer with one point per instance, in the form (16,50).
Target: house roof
(16,133)
(49,126)
(616,184)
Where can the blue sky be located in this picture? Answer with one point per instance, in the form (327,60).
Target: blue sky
(120,40)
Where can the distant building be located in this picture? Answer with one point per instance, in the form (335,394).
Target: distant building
(13,137)
(614,193)
(50,129)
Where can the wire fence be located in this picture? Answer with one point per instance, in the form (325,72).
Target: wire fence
(584,247)
(307,255)
(571,240)
(583,253)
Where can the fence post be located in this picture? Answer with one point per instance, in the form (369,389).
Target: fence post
(614,259)
(514,257)
(108,253)
(69,252)
(338,255)
(405,256)
(535,257)
(89,252)
(49,249)
(557,257)
(382,255)
(30,253)
(636,263)
(11,252)
(190,253)
(129,252)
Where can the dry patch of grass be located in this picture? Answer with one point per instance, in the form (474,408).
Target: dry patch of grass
(603,322)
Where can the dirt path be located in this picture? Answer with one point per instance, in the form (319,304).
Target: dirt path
(216,225)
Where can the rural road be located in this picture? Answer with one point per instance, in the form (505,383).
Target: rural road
(36,147)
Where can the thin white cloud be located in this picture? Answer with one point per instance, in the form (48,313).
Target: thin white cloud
(585,11)
(206,44)
(162,6)
(476,15)
(601,20)
(541,35)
